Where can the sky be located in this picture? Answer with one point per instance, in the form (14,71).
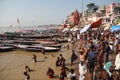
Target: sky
(41,12)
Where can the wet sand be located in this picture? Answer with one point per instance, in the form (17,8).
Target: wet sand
(12,64)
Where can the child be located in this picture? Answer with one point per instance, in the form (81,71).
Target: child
(50,73)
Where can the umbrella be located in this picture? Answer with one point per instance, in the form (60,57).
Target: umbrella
(66,29)
(64,26)
(84,29)
(115,28)
(74,28)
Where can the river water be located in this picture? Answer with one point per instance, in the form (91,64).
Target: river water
(12,64)
(14,29)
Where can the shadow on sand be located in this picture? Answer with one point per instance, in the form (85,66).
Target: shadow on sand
(32,70)
(40,60)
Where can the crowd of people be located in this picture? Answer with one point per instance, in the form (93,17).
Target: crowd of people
(94,56)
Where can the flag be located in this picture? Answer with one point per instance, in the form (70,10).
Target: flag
(76,17)
(96,24)
(18,23)
(85,29)
(18,20)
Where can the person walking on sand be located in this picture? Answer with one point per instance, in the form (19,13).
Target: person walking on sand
(34,58)
(27,76)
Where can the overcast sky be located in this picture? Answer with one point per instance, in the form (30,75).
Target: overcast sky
(40,12)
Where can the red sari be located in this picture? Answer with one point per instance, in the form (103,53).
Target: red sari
(101,56)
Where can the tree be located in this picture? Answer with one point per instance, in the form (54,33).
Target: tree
(95,8)
(92,7)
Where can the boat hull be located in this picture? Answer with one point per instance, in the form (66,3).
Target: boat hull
(6,48)
(37,48)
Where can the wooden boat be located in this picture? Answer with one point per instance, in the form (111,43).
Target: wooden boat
(37,36)
(45,41)
(49,43)
(37,48)
(6,48)
(61,40)
(42,42)
(27,47)
(47,49)
(25,42)
(53,45)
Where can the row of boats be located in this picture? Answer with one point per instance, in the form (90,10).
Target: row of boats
(34,45)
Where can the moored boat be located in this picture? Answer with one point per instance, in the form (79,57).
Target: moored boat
(45,41)
(6,48)
(53,45)
(37,48)
(46,48)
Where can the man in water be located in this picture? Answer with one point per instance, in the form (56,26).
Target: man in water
(62,75)
(27,68)
(27,76)
(62,59)
(57,63)
(50,73)
(34,58)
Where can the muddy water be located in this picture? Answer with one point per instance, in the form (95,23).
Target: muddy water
(12,64)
